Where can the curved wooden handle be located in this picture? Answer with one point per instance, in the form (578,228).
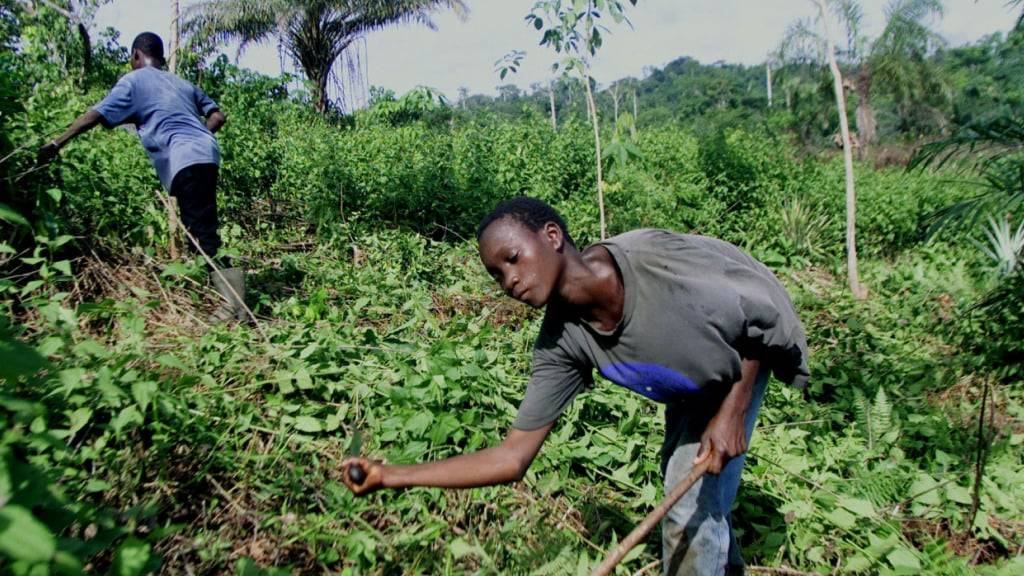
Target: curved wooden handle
(655,516)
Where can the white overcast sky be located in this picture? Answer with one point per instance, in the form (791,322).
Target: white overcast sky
(462,53)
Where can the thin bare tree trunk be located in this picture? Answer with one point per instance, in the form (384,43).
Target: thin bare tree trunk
(615,104)
(858,290)
(597,148)
(632,127)
(175,36)
(768,81)
(551,98)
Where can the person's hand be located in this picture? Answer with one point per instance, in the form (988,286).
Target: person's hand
(47,153)
(723,440)
(373,481)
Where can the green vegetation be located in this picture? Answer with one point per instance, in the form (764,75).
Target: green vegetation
(135,440)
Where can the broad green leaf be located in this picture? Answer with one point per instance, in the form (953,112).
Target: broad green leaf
(129,416)
(841,518)
(171,361)
(8,214)
(131,558)
(23,537)
(858,506)
(923,490)
(459,548)
(903,559)
(307,424)
(96,485)
(419,423)
(858,563)
(958,494)
(63,266)
(17,359)
(143,393)
(78,419)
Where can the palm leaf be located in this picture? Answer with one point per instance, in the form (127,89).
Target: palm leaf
(314,33)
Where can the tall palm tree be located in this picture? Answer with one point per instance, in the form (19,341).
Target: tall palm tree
(894,63)
(814,36)
(314,33)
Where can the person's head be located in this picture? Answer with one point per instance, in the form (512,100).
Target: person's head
(522,245)
(147,50)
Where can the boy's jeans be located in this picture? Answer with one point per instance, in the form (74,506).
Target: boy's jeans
(697,537)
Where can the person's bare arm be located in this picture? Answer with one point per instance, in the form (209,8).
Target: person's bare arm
(85,122)
(506,462)
(215,121)
(725,436)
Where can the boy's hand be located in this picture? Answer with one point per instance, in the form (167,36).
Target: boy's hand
(723,440)
(373,481)
(47,153)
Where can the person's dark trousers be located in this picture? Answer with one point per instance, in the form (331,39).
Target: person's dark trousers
(195,187)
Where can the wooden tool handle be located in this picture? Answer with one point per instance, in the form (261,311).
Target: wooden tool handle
(655,516)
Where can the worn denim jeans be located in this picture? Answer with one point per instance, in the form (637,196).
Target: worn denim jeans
(697,536)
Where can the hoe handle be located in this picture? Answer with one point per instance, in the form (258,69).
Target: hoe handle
(655,516)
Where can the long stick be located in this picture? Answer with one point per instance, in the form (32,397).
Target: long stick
(655,516)
(216,270)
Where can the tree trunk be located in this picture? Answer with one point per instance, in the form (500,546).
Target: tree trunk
(597,147)
(320,101)
(858,290)
(551,98)
(867,126)
(632,127)
(175,36)
(615,105)
(768,81)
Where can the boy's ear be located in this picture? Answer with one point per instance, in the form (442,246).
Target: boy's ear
(553,232)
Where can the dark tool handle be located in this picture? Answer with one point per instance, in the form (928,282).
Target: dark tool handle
(356,474)
(642,529)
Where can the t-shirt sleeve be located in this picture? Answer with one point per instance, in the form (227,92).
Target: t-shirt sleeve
(773,329)
(555,380)
(117,107)
(204,103)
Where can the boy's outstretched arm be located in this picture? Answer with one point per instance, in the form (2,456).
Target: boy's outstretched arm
(84,123)
(506,462)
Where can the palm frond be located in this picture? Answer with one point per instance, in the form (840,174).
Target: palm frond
(850,16)
(973,145)
(314,33)
(801,43)
(247,21)
(1020,19)
(993,151)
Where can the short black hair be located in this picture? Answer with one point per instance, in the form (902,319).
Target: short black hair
(529,212)
(149,44)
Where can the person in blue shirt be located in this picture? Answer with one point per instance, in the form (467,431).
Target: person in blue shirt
(176,122)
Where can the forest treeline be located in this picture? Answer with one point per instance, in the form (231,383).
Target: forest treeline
(965,84)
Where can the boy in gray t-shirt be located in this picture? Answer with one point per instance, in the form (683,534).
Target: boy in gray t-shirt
(168,113)
(689,321)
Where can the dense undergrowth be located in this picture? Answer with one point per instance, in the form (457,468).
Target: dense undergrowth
(136,438)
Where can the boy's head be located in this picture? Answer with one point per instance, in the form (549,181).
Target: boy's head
(147,50)
(529,212)
(522,245)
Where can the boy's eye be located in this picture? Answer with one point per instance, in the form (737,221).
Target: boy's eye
(512,259)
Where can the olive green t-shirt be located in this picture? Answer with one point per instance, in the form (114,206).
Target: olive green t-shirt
(694,308)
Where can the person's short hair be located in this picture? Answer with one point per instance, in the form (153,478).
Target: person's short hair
(151,45)
(532,213)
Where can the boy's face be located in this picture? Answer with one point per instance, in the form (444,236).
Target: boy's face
(526,264)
